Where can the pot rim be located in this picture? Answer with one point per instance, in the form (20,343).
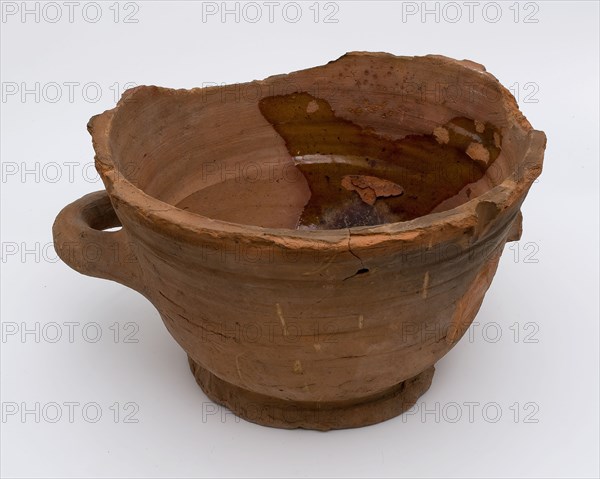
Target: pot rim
(180,224)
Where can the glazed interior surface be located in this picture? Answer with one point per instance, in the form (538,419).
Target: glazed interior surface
(377,141)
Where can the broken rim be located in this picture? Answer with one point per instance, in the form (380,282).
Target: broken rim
(181,224)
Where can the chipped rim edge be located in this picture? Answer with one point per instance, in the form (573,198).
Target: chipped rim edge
(180,224)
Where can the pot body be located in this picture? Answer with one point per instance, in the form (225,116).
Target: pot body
(296,337)
(316,325)
(297,329)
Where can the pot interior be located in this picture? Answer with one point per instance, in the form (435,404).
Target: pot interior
(334,156)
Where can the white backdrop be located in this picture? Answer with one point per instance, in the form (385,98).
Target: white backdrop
(518,397)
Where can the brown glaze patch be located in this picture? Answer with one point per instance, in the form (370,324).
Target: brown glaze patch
(328,150)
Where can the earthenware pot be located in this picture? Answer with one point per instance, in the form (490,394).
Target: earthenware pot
(315,241)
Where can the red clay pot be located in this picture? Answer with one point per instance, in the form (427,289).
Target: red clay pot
(316,241)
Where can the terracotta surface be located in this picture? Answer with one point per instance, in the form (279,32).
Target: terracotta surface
(316,241)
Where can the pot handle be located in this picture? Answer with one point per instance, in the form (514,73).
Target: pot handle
(79,240)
